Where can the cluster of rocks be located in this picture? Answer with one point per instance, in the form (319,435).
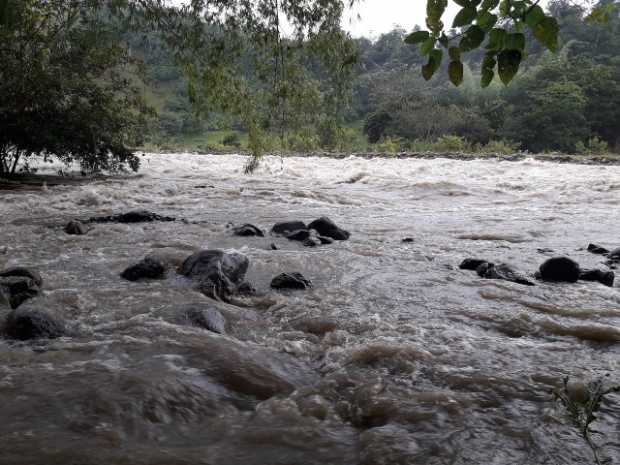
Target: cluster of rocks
(319,232)
(23,322)
(556,269)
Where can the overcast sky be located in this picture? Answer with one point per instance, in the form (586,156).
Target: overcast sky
(379,16)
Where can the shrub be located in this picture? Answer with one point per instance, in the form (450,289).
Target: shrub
(232,140)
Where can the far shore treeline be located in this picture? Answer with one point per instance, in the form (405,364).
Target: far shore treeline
(93,83)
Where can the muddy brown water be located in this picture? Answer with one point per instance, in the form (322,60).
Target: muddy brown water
(395,356)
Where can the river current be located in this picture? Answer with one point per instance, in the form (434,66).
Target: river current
(395,356)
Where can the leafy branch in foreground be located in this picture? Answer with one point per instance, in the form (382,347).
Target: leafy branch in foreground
(501,23)
(582,407)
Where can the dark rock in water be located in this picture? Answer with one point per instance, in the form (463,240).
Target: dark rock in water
(311,242)
(290,281)
(288,227)
(145,269)
(597,249)
(299,235)
(18,285)
(76,228)
(471,264)
(603,277)
(248,230)
(503,272)
(407,240)
(219,274)
(560,269)
(204,317)
(245,288)
(614,255)
(138,216)
(25,324)
(25,272)
(325,240)
(273,246)
(327,228)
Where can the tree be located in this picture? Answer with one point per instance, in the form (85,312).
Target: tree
(64,88)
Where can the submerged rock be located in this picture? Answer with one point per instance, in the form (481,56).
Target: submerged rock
(18,285)
(318,326)
(219,274)
(614,255)
(273,246)
(300,235)
(203,317)
(137,216)
(327,228)
(597,249)
(76,228)
(502,271)
(603,277)
(471,264)
(25,324)
(148,268)
(290,281)
(560,269)
(248,230)
(287,227)
(407,240)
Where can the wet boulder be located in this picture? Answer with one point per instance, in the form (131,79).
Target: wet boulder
(203,317)
(248,230)
(76,228)
(218,273)
(273,246)
(300,235)
(560,269)
(502,271)
(471,264)
(327,228)
(597,249)
(136,216)
(407,240)
(27,323)
(614,255)
(18,285)
(287,227)
(290,281)
(148,268)
(603,277)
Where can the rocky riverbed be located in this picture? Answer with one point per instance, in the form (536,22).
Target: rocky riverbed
(358,343)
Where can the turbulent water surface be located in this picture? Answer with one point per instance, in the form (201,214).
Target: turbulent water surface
(395,356)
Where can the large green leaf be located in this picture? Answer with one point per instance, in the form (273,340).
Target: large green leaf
(534,16)
(434,62)
(455,53)
(497,38)
(486,20)
(515,41)
(427,46)
(434,11)
(464,17)
(417,37)
(455,72)
(472,39)
(486,77)
(508,62)
(488,5)
(546,31)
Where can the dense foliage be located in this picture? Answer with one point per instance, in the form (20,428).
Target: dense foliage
(65,87)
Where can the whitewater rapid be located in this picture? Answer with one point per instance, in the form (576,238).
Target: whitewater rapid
(395,356)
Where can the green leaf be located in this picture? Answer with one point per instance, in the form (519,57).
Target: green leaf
(434,11)
(417,37)
(547,32)
(464,17)
(486,20)
(486,77)
(472,39)
(462,2)
(508,62)
(515,41)
(489,61)
(497,38)
(455,53)
(455,72)
(534,16)
(427,46)
(488,5)
(434,62)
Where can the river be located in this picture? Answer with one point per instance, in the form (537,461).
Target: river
(395,356)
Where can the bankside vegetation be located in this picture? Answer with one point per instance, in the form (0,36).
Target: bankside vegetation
(82,80)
